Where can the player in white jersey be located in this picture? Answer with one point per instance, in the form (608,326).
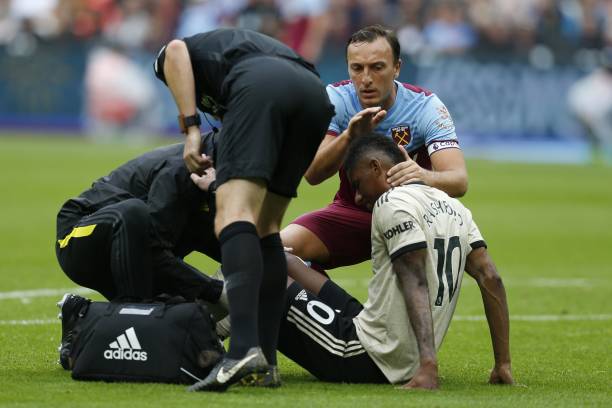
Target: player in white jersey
(422,241)
(373,99)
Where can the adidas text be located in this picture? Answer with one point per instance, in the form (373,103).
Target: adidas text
(127,354)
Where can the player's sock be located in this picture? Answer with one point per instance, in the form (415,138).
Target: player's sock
(242,267)
(272,294)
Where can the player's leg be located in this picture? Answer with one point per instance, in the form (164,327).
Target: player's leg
(131,263)
(247,155)
(239,203)
(174,276)
(249,149)
(272,289)
(84,257)
(343,231)
(200,237)
(305,117)
(318,334)
(300,272)
(109,251)
(305,243)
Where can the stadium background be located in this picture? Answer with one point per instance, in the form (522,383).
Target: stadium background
(78,97)
(504,68)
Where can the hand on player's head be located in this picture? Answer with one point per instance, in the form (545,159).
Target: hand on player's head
(365,121)
(406,172)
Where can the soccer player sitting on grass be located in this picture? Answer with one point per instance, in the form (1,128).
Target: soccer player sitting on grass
(422,241)
(373,100)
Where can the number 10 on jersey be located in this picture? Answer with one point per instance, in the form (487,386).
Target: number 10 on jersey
(445,267)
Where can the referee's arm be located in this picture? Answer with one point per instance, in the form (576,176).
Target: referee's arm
(178,73)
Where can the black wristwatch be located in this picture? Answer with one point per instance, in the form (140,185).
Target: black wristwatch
(187,121)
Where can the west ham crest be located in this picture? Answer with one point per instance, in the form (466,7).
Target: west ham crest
(401,135)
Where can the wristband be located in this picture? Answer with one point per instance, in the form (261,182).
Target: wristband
(186,122)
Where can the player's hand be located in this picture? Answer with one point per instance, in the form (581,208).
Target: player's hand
(501,374)
(426,378)
(407,172)
(203,181)
(365,121)
(194,160)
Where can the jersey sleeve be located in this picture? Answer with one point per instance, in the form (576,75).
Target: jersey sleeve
(437,126)
(475,238)
(339,122)
(397,227)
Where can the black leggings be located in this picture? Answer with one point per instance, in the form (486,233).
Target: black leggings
(112,252)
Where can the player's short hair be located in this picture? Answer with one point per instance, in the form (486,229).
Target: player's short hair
(371,33)
(372,145)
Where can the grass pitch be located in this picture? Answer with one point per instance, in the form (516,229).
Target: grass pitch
(549,229)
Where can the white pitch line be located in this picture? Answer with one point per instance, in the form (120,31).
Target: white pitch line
(31,322)
(46,292)
(347,281)
(474,318)
(557,282)
(540,318)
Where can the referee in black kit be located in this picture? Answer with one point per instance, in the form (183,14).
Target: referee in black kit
(275,112)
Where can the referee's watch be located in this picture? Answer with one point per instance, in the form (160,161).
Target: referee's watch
(186,122)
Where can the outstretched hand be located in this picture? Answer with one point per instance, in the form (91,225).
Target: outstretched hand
(365,121)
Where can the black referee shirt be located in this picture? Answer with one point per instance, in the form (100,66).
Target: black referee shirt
(214,53)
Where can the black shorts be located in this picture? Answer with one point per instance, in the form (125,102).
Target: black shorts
(277,115)
(318,333)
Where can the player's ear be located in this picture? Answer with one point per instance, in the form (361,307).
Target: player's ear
(398,66)
(375,166)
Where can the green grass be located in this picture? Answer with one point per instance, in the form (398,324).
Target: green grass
(549,229)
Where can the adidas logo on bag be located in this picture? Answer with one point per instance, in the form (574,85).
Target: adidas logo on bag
(126,347)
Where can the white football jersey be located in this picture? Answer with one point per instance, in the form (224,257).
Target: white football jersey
(408,218)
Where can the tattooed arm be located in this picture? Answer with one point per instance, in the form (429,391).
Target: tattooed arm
(410,270)
(480,266)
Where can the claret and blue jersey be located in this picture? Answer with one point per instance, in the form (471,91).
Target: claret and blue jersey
(418,120)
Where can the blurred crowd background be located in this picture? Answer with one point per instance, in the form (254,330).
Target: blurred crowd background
(509,70)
